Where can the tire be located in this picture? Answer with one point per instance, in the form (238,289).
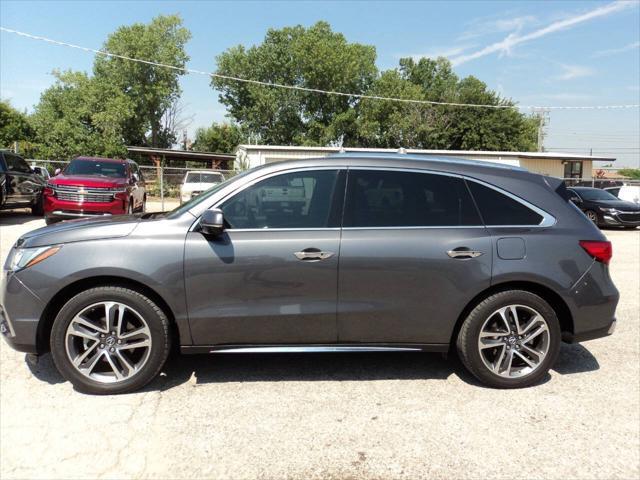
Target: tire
(143,207)
(38,208)
(593,216)
(485,318)
(50,221)
(143,323)
(130,207)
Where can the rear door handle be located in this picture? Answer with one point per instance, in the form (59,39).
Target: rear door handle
(313,255)
(463,252)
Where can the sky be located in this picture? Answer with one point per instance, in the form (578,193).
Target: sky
(561,53)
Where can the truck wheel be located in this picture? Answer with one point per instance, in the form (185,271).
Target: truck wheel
(37,210)
(510,340)
(109,340)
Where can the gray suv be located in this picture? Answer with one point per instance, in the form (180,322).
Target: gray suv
(347,253)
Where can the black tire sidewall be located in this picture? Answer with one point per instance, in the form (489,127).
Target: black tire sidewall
(470,332)
(153,315)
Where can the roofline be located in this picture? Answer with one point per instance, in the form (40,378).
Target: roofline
(180,153)
(539,155)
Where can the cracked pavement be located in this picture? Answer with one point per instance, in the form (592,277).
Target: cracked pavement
(376,415)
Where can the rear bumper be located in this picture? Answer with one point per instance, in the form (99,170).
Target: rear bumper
(590,334)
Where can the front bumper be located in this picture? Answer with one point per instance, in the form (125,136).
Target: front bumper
(626,219)
(62,210)
(20,312)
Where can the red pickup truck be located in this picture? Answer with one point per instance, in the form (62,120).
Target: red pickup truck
(91,186)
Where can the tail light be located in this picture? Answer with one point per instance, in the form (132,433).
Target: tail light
(601,251)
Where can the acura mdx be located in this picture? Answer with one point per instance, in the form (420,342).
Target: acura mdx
(345,253)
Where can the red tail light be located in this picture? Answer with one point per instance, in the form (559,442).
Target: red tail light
(601,251)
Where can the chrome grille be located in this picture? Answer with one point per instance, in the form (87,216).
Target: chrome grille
(83,194)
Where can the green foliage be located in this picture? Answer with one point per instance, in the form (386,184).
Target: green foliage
(14,126)
(393,124)
(150,90)
(122,103)
(314,57)
(218,138)
(319,58)
(80,115)
(633,173)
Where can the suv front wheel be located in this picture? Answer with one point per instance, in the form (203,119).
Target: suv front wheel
(109,340)
(510,340)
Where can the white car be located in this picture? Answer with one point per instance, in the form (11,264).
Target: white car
(197,181)
(630,193)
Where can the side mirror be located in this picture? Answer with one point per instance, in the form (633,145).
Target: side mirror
(57,171)
(212,222)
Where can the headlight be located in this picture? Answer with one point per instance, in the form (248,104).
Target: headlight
(28,257)
(608,210)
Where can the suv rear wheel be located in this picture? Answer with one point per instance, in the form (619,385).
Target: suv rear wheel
(510,340)
(110,340)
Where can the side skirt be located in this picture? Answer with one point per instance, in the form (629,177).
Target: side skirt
(317,348)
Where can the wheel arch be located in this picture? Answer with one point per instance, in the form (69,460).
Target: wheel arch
(48,316)
(552,298)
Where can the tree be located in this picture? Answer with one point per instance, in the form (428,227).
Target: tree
(14,125)
(314,57)
(394,124)
(79,115)
(633,173)
(152,90)
(219,138)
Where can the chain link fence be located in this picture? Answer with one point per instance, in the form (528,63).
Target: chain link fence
(163,184)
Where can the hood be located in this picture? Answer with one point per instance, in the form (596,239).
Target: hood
(80,230)
(621,205)
(95,181)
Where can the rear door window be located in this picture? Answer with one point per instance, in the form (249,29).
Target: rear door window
(385,198)
(498,209)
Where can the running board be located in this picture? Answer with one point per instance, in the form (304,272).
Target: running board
(314,348)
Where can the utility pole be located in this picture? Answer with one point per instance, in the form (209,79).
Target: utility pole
(543,121)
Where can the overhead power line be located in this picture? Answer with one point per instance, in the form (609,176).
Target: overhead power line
(307,89)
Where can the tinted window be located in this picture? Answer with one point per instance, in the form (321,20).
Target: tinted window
(204,177)
(93,167)
(292,200)
(16,163)
(595,194)
(406,199)
(498,209)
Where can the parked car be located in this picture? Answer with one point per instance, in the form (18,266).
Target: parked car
(20,187)
(604,209)
(95,187)
(41,172)
(390,253)
(629,193)
(197,181)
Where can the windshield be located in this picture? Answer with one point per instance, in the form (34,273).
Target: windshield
(596,194)
(204,196)
(204,177)
(96,167)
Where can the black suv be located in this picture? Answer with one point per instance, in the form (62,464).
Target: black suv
(20,187)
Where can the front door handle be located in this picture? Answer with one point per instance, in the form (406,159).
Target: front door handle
(463,252)
(313,255)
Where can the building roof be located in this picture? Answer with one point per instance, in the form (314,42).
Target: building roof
(444,153)
(182,154)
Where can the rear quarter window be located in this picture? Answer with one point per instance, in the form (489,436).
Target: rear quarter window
(498,209)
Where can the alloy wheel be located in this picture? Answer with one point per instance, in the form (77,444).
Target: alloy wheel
(108,342)
(514,341)
(592,216)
